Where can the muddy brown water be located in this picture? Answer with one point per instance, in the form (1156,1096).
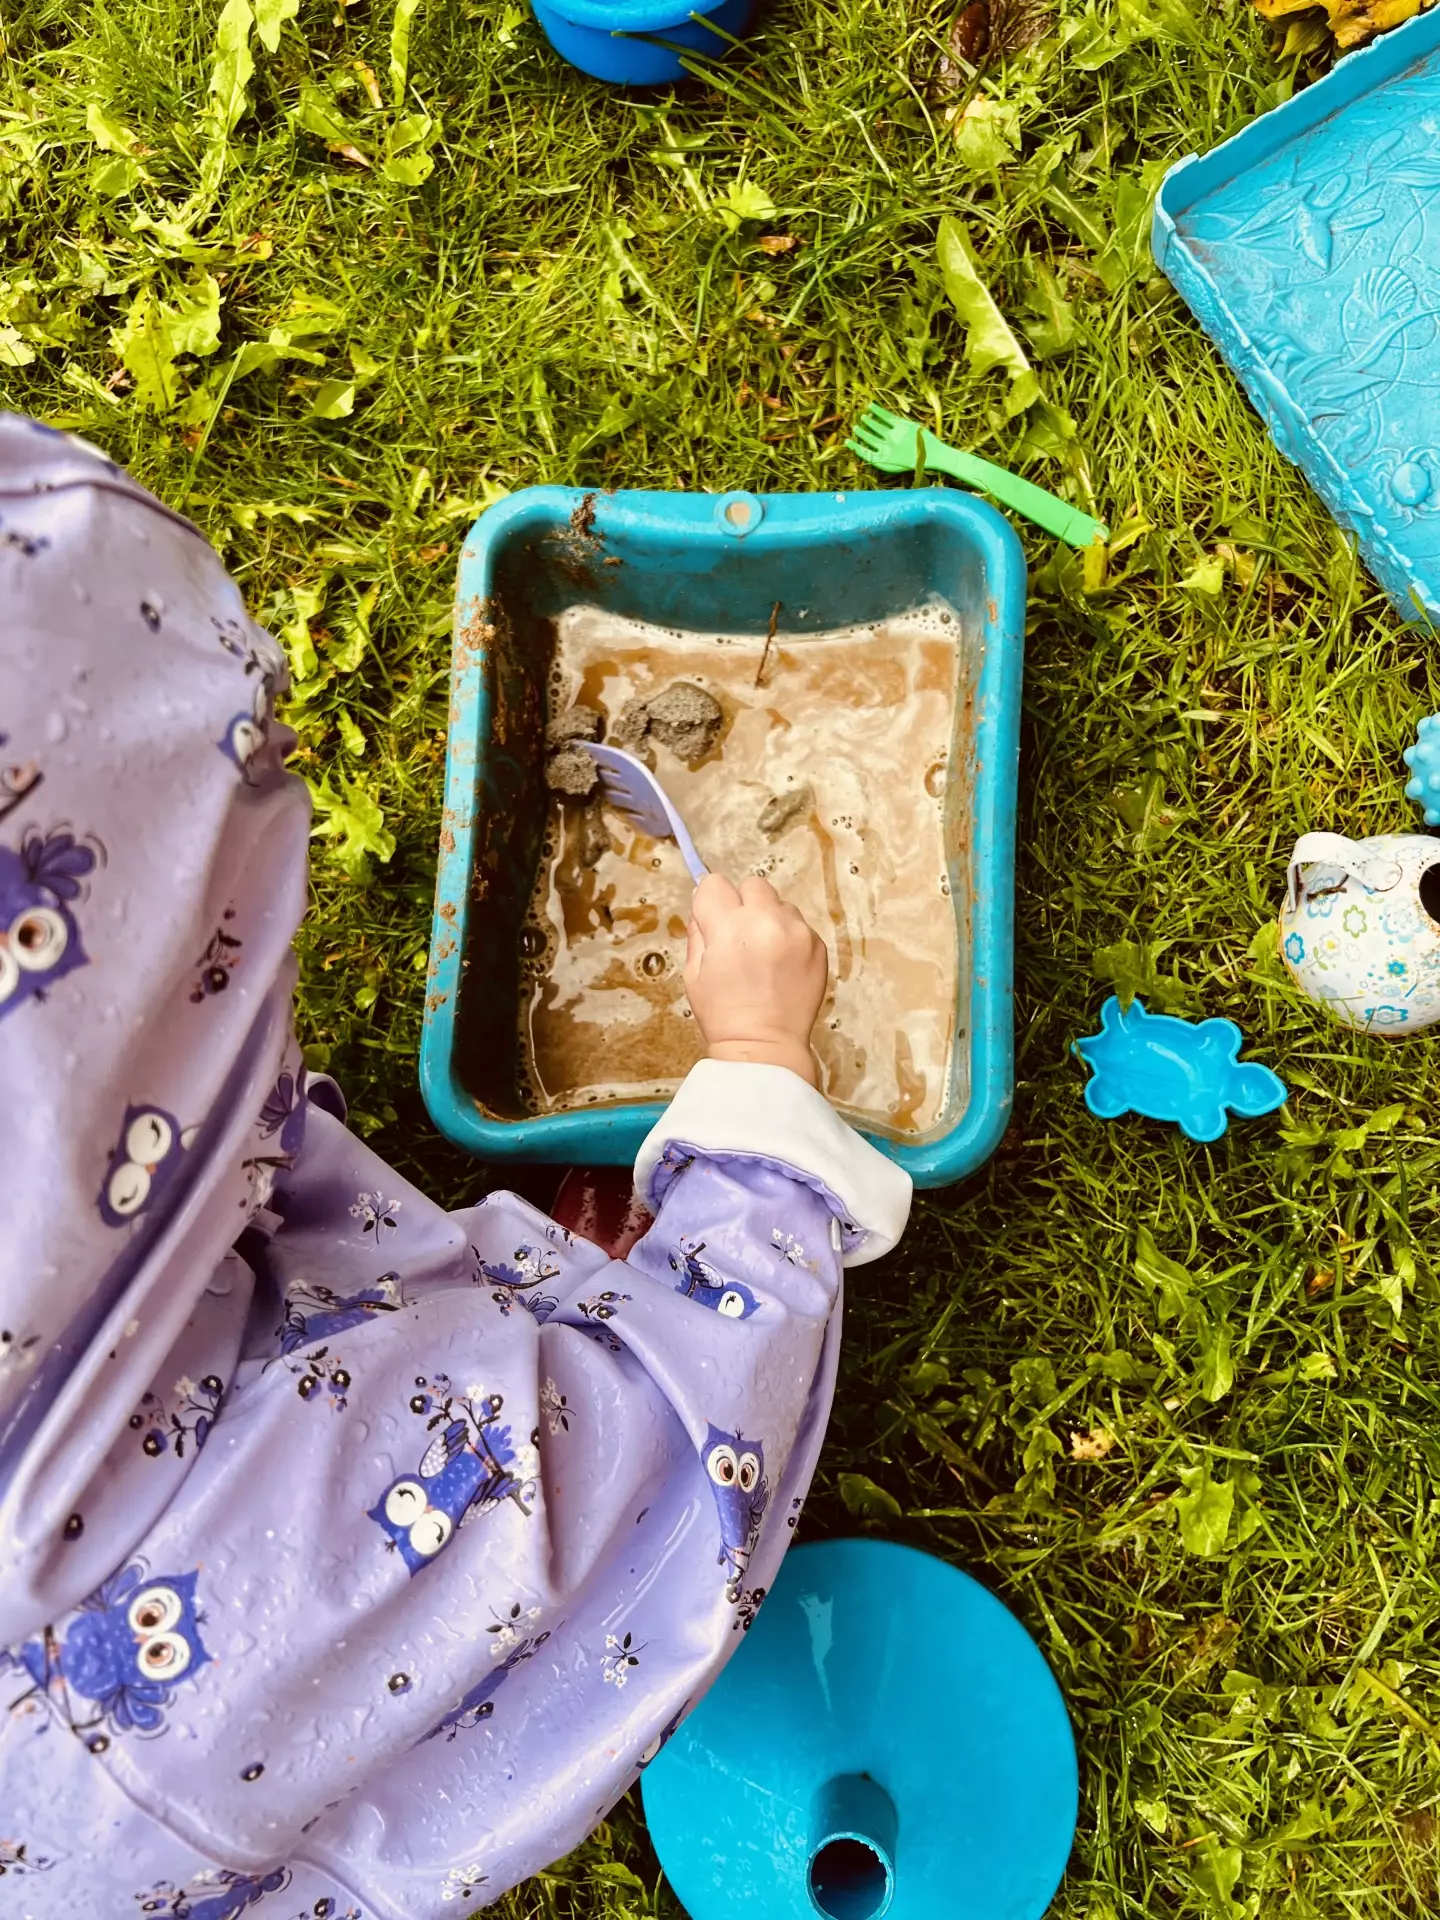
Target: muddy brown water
(865,717)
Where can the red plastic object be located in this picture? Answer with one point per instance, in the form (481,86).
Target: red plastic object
(600,1204)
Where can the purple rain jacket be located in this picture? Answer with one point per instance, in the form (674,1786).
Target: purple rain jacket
(355,1556)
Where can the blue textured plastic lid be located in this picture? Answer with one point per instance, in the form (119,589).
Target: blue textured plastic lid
(1305,247)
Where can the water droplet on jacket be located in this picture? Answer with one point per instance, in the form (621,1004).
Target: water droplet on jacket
(56,728)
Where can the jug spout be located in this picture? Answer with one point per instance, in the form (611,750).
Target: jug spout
(852,1849)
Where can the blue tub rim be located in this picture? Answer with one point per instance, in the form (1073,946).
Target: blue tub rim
(610,1135)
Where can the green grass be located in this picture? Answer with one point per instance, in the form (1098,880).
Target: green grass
(1237,1596)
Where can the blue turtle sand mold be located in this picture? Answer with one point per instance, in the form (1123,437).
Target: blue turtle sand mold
(710,563)
(1169,1069)
(1309,249)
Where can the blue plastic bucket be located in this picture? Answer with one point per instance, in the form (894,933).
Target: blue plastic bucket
(707,563)
(622,40)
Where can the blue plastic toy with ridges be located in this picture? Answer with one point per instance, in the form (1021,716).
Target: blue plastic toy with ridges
(1169,1069)
(888,1741)
(1306,247)
(1423,760)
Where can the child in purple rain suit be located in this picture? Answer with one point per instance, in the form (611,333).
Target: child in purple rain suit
(354,1556)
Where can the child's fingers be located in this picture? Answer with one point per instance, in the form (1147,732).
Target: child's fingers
(694,950)
(758,893)
(714,897)
(755,892)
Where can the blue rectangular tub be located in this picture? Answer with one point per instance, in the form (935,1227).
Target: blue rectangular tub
(716,563)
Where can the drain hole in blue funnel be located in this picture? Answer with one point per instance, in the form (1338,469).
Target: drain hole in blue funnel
(849,1881)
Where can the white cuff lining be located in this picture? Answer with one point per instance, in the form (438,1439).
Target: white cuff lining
(735,1109)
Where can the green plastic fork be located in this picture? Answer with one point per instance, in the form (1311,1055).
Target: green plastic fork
(897,446)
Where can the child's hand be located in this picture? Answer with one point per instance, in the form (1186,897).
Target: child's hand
(755,973)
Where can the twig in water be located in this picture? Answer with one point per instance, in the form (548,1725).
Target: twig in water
(769,640)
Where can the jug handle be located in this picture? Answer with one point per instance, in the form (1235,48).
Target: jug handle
(1377,872)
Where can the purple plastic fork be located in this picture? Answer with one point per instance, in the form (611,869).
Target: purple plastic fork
(627,785)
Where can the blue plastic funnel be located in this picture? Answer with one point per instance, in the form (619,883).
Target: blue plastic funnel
(888,1741)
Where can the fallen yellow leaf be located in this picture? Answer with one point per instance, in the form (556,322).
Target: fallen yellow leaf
(1351,22)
